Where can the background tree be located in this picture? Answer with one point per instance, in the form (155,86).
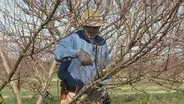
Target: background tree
(144,37)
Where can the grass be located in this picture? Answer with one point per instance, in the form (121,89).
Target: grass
(156,90)
(53,100)
(171,98)
(123,95)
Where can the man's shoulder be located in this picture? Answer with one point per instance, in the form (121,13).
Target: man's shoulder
(73,35)
(99,40)
(79,32)
(81,35)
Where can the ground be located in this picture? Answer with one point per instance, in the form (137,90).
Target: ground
(148,93)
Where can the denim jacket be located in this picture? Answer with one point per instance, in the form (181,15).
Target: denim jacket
(71,70)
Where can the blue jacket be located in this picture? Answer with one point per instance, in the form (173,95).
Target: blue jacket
(70,70)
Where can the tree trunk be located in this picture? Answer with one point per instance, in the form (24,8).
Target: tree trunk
(12,83)
(46,84)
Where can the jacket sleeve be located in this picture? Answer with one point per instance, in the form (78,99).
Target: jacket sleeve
(107,59)
(65,49)
(107,79)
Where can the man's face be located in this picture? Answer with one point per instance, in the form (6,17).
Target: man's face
(91,31)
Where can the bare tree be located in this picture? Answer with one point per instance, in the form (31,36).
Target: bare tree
(143,38)
(15,21)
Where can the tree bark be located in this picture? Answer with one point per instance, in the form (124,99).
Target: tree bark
(46,84)
(13,84)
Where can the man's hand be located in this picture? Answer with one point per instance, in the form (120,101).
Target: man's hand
(84,57)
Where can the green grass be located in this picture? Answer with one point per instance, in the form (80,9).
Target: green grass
(23,93)
(52,100)
(123,95)
(29,97)
(170,98)
(121,90)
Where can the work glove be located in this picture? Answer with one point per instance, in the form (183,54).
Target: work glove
(84,57)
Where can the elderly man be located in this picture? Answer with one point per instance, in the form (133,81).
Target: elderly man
(83,55)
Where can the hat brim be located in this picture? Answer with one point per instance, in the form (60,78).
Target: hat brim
(94,24)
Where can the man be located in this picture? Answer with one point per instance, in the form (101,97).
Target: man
(83,56)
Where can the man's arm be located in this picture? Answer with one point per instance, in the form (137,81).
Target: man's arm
(107,59)
(104,71)
(107,55)
(65,49)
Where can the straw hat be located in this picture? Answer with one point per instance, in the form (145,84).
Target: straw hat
(92,17)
